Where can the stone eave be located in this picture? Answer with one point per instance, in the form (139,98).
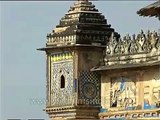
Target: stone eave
(70,46)
(124,66)
(83,12)
(150,10)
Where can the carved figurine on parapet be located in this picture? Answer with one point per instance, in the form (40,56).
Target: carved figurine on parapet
(140,48)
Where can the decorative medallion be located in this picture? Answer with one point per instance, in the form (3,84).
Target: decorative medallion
(89,90)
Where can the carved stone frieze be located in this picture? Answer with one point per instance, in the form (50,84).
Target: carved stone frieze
(132,114)
(140,49)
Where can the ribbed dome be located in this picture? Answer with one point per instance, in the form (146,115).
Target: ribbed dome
(83,24)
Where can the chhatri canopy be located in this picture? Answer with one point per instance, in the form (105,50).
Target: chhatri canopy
(151,10)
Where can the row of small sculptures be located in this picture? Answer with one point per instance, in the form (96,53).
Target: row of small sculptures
(142,43)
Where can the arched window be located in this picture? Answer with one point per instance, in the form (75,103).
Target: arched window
(62,81)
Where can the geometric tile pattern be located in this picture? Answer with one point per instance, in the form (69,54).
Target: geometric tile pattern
(62,96)
(89,88)
(61,56)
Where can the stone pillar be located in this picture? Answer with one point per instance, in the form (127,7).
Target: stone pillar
(105,92)
(140,89)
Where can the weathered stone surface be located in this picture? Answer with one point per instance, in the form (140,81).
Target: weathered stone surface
(89,66)
(83,24)
(142,50)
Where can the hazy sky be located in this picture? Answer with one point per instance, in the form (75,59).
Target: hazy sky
(24,26)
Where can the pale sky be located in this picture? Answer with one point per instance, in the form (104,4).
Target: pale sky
(24,26)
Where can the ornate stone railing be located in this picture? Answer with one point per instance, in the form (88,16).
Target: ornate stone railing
(143,48)
(61,40)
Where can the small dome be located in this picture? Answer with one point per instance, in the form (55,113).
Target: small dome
(83,24)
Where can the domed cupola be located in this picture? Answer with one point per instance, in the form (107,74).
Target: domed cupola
(83,24)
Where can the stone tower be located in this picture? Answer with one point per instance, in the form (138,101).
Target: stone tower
(73,48)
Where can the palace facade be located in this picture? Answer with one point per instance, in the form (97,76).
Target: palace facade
(94,74)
